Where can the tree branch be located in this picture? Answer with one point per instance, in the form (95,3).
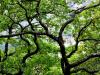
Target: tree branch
(85,8)
(64,25)
(7,44)
(39,18)
(7,56)
(77,39)
(32,53)
(22,33)
(83,69)
(90,39)
(26,14)
(94,55)
(72,19)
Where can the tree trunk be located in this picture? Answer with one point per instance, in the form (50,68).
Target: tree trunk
(65,68)
(64,61)
(67,71)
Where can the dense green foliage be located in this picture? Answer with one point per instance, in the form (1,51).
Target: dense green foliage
(41,40)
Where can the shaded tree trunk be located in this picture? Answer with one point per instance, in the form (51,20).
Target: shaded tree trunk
(64,61)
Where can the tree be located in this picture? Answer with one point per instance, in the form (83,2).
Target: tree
(49,20)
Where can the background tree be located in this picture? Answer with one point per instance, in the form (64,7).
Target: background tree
(32,36)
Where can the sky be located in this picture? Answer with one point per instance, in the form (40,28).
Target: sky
(74,6)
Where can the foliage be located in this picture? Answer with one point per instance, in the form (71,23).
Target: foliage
(32,37)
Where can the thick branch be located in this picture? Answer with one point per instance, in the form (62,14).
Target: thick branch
(26,14)
(90,39)
(94,55)
(75,13)
(7,44)
(22,37)
(84,69)
(64,25)
(22,33)
(77,39)
(93,6)
(32,53)
(85,8)
(43,24)
(39,18)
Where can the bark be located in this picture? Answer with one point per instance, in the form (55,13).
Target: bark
(64,61)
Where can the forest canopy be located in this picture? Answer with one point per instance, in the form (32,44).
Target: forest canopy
(49,37)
